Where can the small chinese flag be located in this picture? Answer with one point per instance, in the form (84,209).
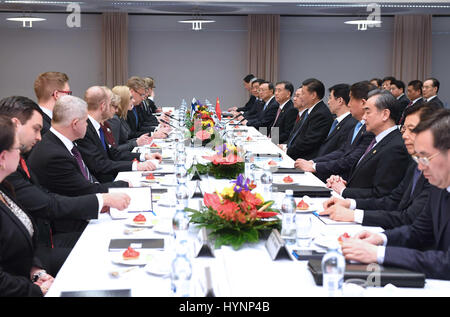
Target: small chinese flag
(218,111)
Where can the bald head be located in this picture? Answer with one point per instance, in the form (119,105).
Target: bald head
(94,97)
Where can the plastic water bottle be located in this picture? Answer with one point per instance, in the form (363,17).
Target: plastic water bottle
(181,272)
(333,268)
(182,194)
(180,224)
(266,182)
(249,166)
(288,227)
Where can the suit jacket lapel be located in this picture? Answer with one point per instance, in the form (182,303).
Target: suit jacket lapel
(373,152)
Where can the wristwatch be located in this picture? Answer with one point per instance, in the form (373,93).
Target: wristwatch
(37,276)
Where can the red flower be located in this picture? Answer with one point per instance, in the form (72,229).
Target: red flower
(203,135)
(220,159)
(226,209)
(266,214)
(250,198)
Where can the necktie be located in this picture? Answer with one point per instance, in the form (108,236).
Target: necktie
(416,176)
(275,121)
(370,147)
(108,134)
(102,137)
(302,121)
(355,132)
(76,153)
(136,116)
(23,164)
(333,126)
(278,114)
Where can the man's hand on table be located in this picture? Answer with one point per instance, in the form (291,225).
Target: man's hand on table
(338,213)
(307,166)
(119,201)
(336,183)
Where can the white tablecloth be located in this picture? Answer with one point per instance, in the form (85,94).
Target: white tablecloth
(248,272)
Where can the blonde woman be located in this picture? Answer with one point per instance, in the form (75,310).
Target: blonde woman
(119,126)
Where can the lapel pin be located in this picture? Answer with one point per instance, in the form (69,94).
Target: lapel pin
(374,151)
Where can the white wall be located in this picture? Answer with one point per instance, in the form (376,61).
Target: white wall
(49,46)
(206,64)
(333,52)
(185,64)
(441,54)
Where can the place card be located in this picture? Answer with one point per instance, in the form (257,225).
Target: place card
(202,245)
(276,246)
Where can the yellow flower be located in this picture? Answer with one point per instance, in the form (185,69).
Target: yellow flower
(228,192)
(258,195)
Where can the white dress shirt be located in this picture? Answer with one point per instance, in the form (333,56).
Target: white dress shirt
(69,145)
(97,126)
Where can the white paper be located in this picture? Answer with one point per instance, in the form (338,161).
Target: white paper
(140,201)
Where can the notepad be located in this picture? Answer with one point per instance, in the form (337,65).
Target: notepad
(141,200)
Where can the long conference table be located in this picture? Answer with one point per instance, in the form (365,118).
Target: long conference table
(91,268)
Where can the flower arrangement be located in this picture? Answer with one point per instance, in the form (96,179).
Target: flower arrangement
(201,124)
(236,215)
(225,163)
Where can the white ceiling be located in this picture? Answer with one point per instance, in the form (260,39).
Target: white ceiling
(234,7)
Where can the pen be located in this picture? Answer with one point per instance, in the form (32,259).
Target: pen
(143,211)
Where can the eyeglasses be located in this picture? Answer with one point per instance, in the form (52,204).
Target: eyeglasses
(425,161)
(68,92)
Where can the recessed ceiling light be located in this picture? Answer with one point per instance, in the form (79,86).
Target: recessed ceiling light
(27,21)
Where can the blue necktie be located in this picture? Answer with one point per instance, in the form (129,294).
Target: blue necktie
(333,126)
(102,137)
(355,132)
(136,115)
(416,176)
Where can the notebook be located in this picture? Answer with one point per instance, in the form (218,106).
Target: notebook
(388,275)
(302,190)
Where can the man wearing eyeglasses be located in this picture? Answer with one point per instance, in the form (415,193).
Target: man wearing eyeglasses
(49,87)
(405,202)
(135,119)
(423,246)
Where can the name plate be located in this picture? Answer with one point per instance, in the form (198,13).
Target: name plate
(276,246)
(202,245)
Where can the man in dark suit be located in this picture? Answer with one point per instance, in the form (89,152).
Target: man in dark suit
(45,207)
(404,203)
(247,82)
(257,104)
(48,87)
(383,164)
(57,161)
(340,161)
(344,122)
(398,91)
(264,119)
(103,161)
(423,246)
(286,113)
(134,117)
(306,138)
(430,90)
(414,92)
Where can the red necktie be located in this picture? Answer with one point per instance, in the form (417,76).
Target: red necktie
(23,164)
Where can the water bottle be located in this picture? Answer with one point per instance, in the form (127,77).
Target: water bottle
(288,227)
(182,194)
(333,268)
(180,223)
(249,166)
(181,272)
(266,182)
